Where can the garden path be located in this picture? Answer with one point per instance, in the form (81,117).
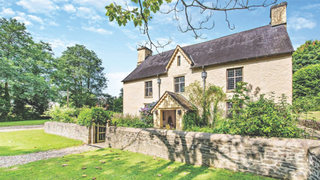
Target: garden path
(18,128)
(7,161)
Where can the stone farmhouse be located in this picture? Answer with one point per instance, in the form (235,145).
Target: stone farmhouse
(262,57)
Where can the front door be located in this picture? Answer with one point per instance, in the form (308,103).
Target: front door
(169,118)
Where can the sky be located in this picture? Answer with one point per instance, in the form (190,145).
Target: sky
(64,23)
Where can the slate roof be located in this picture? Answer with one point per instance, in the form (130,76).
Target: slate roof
(260,42)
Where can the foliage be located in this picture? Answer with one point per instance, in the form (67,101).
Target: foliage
(263,117)
(307,54)
(191,119)
(306,81)
(32,141)
(143,11)
(112,103)
(62,114)
(129,121)
(94,115)
(206,102)
(303,105)
(146,115)
(80,74)
(25,67)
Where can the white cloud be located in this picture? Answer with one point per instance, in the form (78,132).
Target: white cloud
(311,6)
(38,6)
(129,33)
(52,23)
(21,17)
(99,4)
(97,30)
(69,8)
(7,12)
(131,46)
(35,18)
(298,23)
(115,84)
(88,13)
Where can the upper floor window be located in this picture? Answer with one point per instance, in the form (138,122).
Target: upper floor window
(233,76)
(179,84)
(179,61)
(148,89)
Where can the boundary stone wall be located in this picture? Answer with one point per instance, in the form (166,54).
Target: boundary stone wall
(314,163)
(274,157)
(69,130)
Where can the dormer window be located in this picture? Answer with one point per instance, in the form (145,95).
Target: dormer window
(179,61)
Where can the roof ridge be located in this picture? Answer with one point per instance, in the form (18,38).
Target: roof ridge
(227,36)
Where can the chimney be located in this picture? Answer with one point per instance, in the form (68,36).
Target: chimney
(278,14)
(143,53)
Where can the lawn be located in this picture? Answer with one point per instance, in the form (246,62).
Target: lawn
(22,123)
(29,141)
(118,165)
(315,114)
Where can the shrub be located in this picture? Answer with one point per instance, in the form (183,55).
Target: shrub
(146,115)
(263,117)
(191,119)
(62,114)
(129,121)
(94,115)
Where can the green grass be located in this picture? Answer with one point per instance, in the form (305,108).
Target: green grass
(311,115)
(118,165)
(29,141)
(22,123)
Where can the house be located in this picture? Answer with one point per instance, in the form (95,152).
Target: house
(261,57)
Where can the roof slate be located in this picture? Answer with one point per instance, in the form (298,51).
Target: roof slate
(254,43)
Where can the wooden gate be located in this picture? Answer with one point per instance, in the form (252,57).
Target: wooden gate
(101,133)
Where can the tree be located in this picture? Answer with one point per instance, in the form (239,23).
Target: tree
(143,10)
(306,81)
(307,54)
(24,68)
(79,72)
(206,102)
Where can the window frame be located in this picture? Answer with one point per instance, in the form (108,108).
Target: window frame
(234,78)
(179,61)
(145,89)
(179,84)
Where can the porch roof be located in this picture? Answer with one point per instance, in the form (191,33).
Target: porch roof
(178,98)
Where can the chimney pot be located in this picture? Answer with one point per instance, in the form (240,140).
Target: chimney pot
(278,14)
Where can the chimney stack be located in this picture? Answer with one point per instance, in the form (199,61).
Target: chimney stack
(143,53)
(278,14)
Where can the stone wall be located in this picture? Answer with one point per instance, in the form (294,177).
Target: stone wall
(275,157)
(69,130)
(314,163)
(310,124)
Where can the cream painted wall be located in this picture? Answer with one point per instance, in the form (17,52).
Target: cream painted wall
(269,74)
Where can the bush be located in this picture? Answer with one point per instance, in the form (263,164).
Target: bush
(306,81)
(62,114)
(94,115)
(191,119)
(263,117)
(129,121)
(146,115)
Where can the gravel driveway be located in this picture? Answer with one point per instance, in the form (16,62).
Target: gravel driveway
(6,161)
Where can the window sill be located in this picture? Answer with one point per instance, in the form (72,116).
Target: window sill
(148,97)
(230,91)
